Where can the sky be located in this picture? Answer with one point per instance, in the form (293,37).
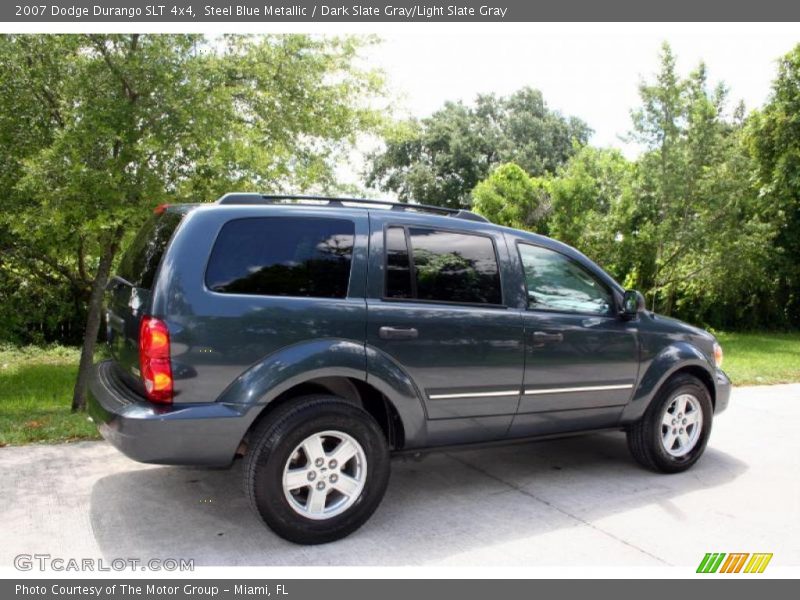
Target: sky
(587,70)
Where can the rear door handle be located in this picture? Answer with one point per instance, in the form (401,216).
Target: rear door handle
(398,333)
(542,337)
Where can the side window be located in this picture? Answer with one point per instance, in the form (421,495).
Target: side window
(443,266)
(398,265)
(555,282)
(282,256)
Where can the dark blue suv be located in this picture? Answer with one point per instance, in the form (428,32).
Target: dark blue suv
(317,337)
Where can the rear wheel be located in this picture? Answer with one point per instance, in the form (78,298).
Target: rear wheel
(674,431)
(317,469)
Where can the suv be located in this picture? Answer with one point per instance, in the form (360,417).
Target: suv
(317,337)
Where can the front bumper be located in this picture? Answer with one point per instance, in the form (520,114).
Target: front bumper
(181,434)
(723,386)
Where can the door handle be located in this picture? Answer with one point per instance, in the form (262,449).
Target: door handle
(398,333)
(542,337)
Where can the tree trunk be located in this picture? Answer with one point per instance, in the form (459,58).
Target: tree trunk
(93,319)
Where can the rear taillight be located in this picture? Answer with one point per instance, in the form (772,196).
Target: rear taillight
(154,360)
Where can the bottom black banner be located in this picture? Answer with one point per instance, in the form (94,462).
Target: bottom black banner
(384,589)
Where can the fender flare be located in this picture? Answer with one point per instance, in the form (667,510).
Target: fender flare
(256,388)
(666,363)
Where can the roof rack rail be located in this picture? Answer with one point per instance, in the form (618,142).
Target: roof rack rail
(256,198)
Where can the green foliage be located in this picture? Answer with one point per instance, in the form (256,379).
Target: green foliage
(700,213)
(511,197)
(95,130)
(35,388)
(774,138)
(761,358)
(439,160)
(702,221)
(35,305)
(593,209)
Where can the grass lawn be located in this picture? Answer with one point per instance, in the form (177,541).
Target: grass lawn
(761,358)
(35,396)
(36,383)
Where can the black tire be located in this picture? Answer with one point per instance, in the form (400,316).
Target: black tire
(275,439)
(645,435)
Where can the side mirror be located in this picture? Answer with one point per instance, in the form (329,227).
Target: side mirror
(632,304)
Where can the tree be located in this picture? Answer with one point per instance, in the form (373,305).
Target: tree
(511,197)
(684,222)
(694,198)
(657,126)
(774,139)
(120,123)
(594,209)
(440,159)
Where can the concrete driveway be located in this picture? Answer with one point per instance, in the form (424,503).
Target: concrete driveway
(578,501)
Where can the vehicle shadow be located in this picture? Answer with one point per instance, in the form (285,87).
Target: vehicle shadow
(439,510)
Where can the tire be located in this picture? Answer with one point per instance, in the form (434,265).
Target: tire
(652,440)
(281,476)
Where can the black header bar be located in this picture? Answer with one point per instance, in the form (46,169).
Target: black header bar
(409,11)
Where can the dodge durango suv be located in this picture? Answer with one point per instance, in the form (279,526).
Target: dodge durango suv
(318,337)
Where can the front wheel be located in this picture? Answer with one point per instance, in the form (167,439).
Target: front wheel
(317,469)
(673,433)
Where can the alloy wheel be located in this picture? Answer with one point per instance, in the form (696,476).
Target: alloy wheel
(681,425)
(324,475)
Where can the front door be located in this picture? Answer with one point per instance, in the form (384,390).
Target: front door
(436,307)
(581,358)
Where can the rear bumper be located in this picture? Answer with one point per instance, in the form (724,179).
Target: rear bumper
(723,387)
(182,434)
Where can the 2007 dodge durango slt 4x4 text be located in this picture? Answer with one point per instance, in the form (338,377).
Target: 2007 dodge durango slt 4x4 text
(319,336)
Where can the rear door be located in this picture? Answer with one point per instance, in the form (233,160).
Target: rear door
(436,307)
(581,358)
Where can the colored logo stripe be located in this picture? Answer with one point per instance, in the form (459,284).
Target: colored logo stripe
(758,563)
(734,562)
(711,562)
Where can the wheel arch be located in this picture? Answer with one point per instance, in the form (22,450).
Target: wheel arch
(337,367)
(703,375)
(351,389)
(675,359)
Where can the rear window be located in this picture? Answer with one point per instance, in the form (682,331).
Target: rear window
(282,256)
(442,266)
(140,261)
